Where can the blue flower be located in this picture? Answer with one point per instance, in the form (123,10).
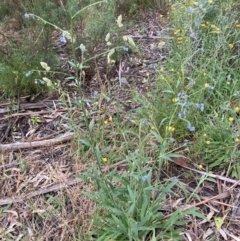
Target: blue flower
(144,178)
(63,39)
(28,74)
(39,81)
(26,15)
(201,107)
(185,104)
(175,178)
(192,35)
(123,80)
(186,141)
(180,95)
(125,49)
(95,92)
(190,128)
(180,115)
(108,99)
(210,87)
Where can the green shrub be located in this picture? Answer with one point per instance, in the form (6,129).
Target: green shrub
(17,78)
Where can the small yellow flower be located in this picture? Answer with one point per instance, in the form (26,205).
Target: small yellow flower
(236,109)
(110,118)
(230,119)
(237,139)
(213,26)
(104,159)
(237,25)
(204,74)
(217,30)
(204,134)
(230,46)
(203,25)
(206,85)
(160,16)
(200,166)
(210,1)
(174,100)
(208,142)
(161,70)
(176,31)
(170,128)
(105,122)
(152,127)
(179,38)
(228,83)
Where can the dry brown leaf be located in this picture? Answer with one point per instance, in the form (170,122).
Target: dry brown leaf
(14,213)
(175,203)
(209,217)
(223,234)
(180,161)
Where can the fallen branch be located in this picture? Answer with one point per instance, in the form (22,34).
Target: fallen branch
(181,162)
(32,113)
(53,188)
(30,106)
(20,145)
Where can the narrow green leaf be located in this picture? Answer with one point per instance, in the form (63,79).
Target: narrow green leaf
(132,209)
(131,194)
(85,142)
(91,125)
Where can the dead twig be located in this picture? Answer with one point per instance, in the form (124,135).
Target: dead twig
(181,162)
(29,106)
(8,130)
(31,113)
(20,145)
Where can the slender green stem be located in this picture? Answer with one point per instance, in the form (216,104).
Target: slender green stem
(86,8)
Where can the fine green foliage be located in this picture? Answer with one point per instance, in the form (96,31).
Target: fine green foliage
(16,77)
(199,83)
(27,47)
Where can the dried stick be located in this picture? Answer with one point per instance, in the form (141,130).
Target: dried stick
(20,145)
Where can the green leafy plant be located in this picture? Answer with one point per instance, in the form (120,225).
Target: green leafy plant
(128,205)
(198,84)
(35,120)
